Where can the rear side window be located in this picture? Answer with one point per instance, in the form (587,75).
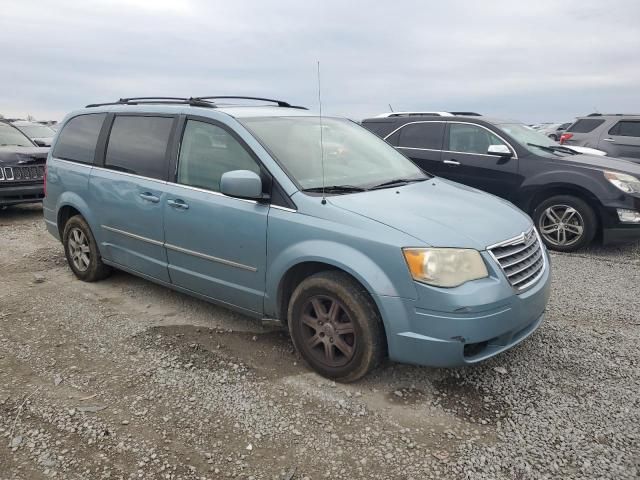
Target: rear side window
(138,145)
(207,151)
(626,129)
(422,135)
(585,125)
(77,140)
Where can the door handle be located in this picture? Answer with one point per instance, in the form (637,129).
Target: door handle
(178,203)
(451,162)
(150,197)
(609,139)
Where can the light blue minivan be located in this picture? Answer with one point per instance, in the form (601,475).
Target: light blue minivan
(312,223)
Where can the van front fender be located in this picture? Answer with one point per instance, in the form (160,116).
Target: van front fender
(363,268)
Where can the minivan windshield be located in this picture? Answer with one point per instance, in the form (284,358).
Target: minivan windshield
(532,140)
(354,158)
(10,136)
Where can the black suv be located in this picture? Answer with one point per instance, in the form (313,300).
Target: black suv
(571,197)
(22,167)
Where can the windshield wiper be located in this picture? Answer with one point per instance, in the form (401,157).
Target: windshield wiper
(561,148)
(335,189)
(554,148)
(397,182)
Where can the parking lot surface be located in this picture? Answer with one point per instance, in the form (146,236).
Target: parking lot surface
(127,379)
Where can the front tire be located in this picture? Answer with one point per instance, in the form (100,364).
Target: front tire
(82,252)
(566,223)
(335,326)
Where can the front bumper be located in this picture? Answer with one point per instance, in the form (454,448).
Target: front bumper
(621,234)
(15,194)
(499,319)
(613,230)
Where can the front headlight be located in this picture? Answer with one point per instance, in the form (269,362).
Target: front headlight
(625,182)
(445,267)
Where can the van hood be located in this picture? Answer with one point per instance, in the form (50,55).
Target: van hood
(440,213)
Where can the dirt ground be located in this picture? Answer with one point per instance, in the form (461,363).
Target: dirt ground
(127,379)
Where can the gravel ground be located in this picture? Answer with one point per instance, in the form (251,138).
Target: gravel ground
(126,379)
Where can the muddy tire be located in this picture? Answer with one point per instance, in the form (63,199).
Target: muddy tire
(335,326)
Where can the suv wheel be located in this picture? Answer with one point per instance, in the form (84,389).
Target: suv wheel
(566,223)
(335,326)
(82,252)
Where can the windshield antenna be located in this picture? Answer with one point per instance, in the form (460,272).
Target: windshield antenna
(324,200)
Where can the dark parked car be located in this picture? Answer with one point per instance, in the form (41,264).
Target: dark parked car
(22,167)
(617,134)
(571,197)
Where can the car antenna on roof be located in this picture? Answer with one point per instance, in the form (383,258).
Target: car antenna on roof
(324,200)
(390,108)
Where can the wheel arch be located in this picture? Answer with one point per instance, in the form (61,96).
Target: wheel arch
(64,214)
(71,204)
(302,270)
(552,190)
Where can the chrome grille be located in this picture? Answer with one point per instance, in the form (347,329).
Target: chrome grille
(521,259)
(22,173)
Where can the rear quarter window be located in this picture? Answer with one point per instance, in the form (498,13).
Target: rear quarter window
(78,138)
(585,125)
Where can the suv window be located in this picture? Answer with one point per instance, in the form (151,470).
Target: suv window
(138,145)
(585,125)
(208,151)
(468,138)
(77,140)
(626,129)
(422,135)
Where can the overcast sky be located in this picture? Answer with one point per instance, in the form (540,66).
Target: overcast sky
(532,60)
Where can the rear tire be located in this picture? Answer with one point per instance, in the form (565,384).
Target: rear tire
(566,223)
(335,326)
(82,252)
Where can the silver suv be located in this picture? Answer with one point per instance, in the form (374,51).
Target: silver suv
(617,134)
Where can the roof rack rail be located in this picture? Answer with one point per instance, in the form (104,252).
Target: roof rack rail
(613,115)
(280,103)
(193,101)
(430,113)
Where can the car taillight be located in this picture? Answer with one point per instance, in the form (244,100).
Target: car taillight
(45,180)
(564,137)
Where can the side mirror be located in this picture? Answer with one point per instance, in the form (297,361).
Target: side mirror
(241,184)
(500,150)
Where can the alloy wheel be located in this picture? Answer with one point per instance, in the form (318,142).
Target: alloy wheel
(328,331)
(79,249)
(561,225)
